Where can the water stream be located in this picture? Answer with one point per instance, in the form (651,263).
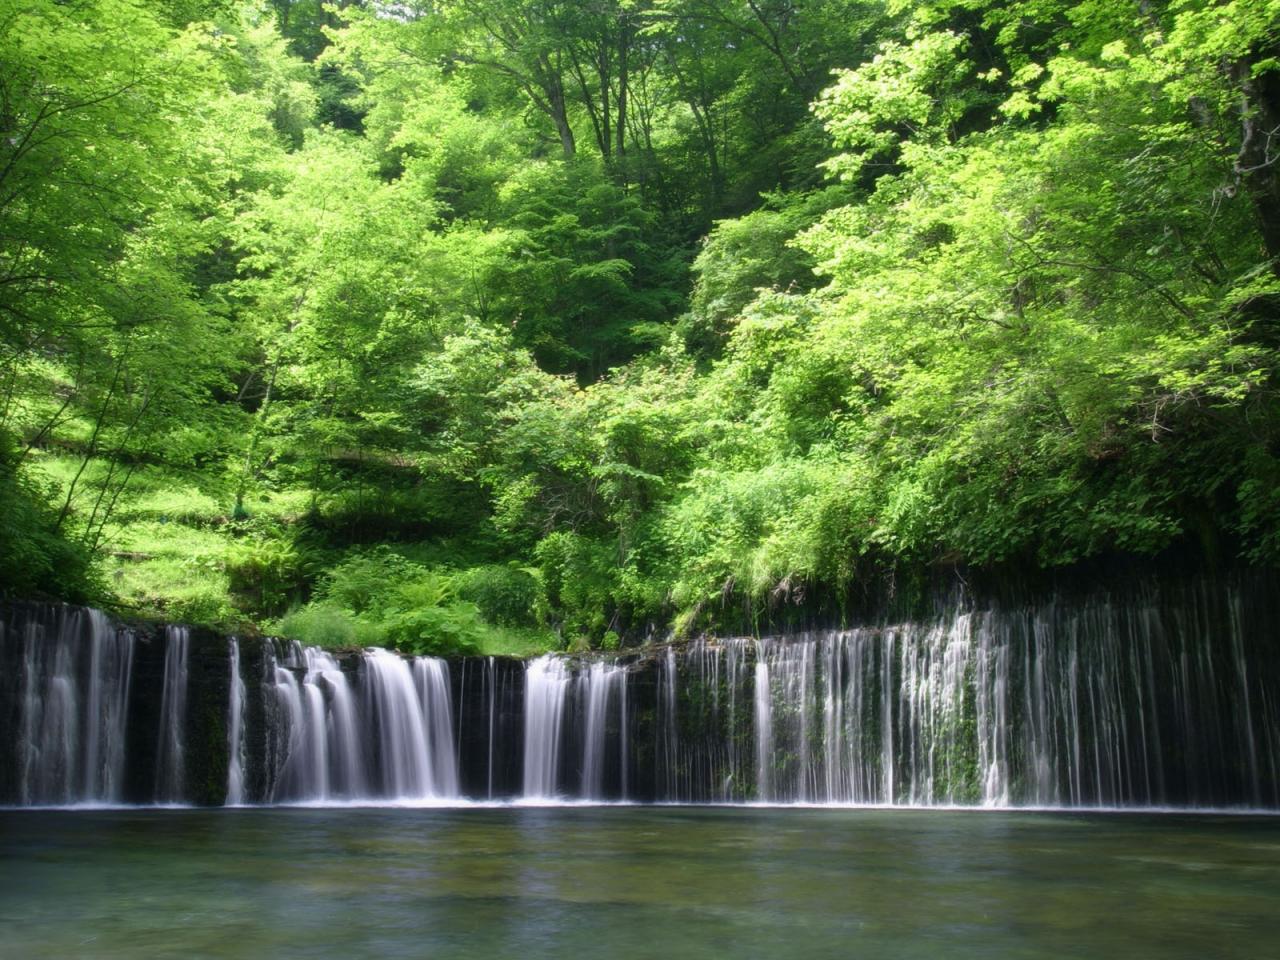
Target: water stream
(546,690)
(1152,699)
(75,670)
(171,748)
(235,730)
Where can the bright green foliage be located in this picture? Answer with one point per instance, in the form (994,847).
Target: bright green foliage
(742,257)
(503,326)
(112,176)
(505,596)
(382,598)
(1037,342)
(34,559)
(584,288)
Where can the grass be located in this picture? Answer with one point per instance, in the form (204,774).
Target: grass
(514,642)
(331,627)
(185,504)
(172,571)
(171,551)
(324,625)
(165,549)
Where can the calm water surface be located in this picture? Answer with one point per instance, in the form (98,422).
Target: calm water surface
(636,882)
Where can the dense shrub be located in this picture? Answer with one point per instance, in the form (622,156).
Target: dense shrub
(364,582)
(455,628)
(325,625)
(505,596)
(264,576)
(36,557)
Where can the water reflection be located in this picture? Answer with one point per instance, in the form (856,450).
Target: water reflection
(635,882)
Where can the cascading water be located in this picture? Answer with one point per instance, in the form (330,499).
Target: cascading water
(387,737)
(323,757)
(546,688)
(431,677)
(235,730)
(668,754)
(1090,705)
(604,693)
(1145,702)
(75,670)
(414,736)
(171,747)
(1155,698)
(764,732)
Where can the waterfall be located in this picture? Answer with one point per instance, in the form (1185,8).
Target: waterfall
(387,737)
(235,730)
(1093,704)
(400,727)
(491,690)
(171,747)
(73,670)
(1152,696)
(668,754)
(602,684)
(546,686)
(292,774)
(432,676)
(764,732)
(576,711)
(323,757)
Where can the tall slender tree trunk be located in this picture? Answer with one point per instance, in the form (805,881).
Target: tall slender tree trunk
(624,44)
(1257,165)
(560,117)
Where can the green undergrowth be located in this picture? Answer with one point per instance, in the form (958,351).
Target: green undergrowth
(379,597)
(440,631)
(174,550)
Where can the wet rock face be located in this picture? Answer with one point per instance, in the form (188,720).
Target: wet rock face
(80,708)
(1156,693)
(488,701)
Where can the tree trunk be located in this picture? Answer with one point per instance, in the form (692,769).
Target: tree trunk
(561,119)
(624,42)
(1257,165)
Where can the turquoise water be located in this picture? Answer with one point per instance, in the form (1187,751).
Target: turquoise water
(636,882)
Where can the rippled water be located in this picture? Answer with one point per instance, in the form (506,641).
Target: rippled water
(636,882)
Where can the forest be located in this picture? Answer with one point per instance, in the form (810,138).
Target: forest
(503,326)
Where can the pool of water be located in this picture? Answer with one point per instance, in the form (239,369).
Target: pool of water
(636,882)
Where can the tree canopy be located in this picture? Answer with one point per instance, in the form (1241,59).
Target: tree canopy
(559,323)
